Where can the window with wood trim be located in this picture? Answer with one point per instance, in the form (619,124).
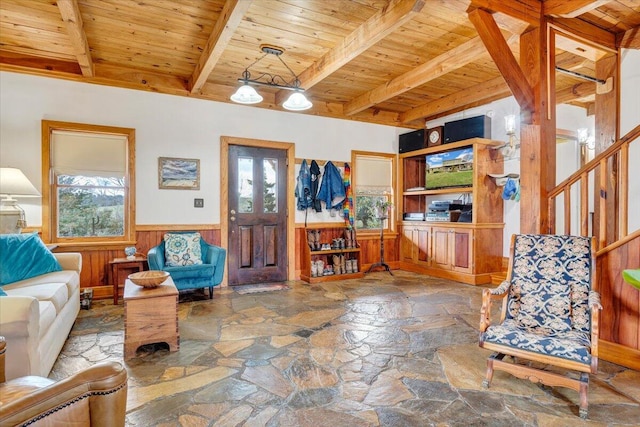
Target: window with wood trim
(373,183)
(88,183)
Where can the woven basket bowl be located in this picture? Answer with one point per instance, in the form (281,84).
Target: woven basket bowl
(149,279)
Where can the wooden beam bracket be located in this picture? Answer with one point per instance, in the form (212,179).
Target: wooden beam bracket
(503,57)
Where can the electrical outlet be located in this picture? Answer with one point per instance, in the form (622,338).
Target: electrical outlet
(198,203)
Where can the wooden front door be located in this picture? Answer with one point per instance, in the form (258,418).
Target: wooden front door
(257,217)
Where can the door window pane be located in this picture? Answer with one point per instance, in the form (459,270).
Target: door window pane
(245,184)
(270,168)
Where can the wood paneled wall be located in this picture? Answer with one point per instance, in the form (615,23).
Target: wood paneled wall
(620,319)
(95,261)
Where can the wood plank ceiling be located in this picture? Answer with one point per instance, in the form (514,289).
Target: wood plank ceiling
(394,62)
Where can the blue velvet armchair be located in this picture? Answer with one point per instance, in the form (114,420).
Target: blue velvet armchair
(198,276)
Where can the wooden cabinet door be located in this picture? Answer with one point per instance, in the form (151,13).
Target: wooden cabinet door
(416,244)
(407,244)
(422,239)
(462,250)
(441,257)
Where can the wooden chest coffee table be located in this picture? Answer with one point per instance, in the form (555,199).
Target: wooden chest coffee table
(150,316)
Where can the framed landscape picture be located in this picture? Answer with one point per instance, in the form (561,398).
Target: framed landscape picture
(178,174)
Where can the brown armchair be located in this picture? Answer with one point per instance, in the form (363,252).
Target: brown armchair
(96,396)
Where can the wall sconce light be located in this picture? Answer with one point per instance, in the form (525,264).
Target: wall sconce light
(13,183)
(510,129)
(510,124)
(586,139)
(246,94)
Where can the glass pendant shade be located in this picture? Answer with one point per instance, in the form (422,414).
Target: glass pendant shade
(297,102)
(246,95)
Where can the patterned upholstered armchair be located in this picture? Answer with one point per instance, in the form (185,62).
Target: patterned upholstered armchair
(550,313)
(192,262)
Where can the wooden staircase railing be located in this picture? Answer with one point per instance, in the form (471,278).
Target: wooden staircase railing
(609,171)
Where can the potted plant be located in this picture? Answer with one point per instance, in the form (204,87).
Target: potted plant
(383,206)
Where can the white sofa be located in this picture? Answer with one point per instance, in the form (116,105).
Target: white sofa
(36,317)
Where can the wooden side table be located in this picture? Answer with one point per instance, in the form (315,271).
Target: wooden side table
(150,316)
(120,269)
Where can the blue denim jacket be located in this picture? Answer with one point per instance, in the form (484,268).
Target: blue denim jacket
(332,187)
(303,187)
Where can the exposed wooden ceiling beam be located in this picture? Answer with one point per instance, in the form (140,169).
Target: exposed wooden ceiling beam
(226,24)
(380,25)
(484,93)
(10,61)
(570,9)
(503,57)
(569,61)
(73,21)
(584,31)
(577,91)
(630,39)
(529,11)
(480,92)
(436,67)
(585,50)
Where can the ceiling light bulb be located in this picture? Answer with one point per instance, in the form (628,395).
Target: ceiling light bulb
(246,95)
(297,102)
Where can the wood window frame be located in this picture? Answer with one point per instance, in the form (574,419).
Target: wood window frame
(49,202)
(390,227)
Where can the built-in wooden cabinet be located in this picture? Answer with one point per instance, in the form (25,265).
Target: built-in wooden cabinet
(464,251)
(416,244)
(452,248)
(343,259)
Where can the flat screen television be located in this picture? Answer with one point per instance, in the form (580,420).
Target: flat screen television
(449,169)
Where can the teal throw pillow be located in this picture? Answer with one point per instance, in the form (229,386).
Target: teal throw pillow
(23,256)
(182,249)
(2,292)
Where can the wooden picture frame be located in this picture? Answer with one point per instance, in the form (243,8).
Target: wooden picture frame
(175,173)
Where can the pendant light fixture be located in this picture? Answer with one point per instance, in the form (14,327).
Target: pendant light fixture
(246,94)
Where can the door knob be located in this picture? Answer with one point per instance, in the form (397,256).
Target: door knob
(233,218)
(233,212)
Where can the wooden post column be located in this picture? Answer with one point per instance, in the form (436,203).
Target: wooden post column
(537,135)
(606,126)
(529,80)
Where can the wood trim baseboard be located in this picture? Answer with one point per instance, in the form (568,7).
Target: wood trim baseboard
(619,354)
(337,224)
(176,227)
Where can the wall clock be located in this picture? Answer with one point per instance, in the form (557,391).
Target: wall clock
(434,136)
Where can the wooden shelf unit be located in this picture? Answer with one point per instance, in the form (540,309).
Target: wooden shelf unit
(326,236)
(468,252)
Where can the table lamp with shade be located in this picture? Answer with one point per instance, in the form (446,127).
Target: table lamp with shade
(13,184)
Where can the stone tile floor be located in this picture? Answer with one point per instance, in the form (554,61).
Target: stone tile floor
(379,351)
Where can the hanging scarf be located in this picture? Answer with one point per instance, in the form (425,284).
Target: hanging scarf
(348,204)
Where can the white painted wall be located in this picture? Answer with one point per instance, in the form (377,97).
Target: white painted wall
(630,118)
(170,126)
